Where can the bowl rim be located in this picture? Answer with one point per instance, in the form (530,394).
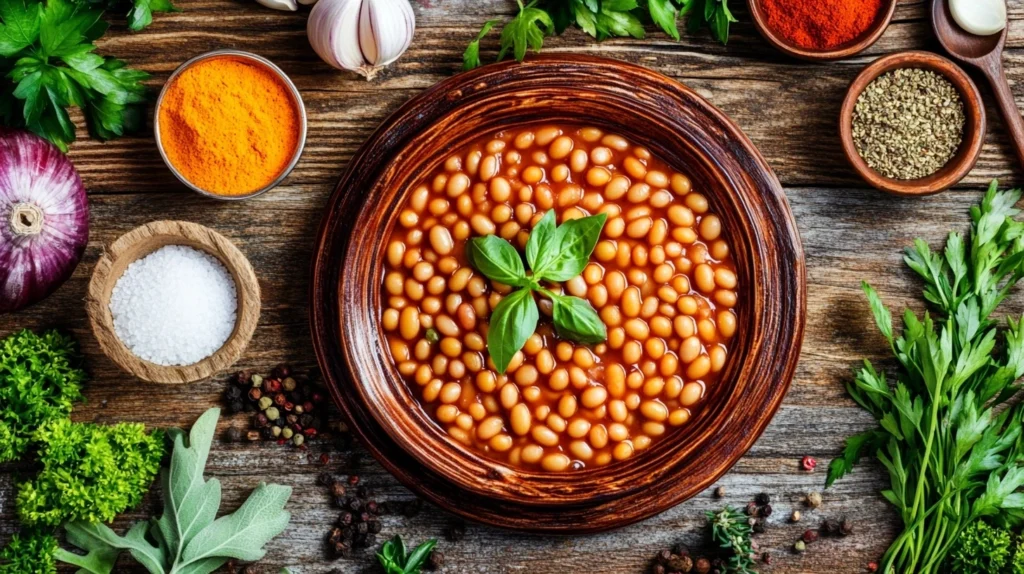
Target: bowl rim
(300,106)
(327,298)
(975,124)
(852,48)
(247,290)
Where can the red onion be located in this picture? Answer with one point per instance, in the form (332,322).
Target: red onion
(44,219)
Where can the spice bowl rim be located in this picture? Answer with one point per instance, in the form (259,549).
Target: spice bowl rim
(300,106)
(975,126)
(852,48)
(143,240)
(651,110)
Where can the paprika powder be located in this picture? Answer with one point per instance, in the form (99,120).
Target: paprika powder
(820,24)
(229,126)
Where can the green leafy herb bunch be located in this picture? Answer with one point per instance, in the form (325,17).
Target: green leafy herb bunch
(29,552)
(40,380)
(602,19)
(48,64)
(948,434)
(188,537)
(555,253)
(395,558)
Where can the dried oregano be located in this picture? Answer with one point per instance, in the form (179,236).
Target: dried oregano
(908,123)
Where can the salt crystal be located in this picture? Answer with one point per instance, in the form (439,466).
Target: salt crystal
(175,306)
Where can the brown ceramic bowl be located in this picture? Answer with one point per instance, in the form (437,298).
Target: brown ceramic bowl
(654,111)
(856,46)
(974,132)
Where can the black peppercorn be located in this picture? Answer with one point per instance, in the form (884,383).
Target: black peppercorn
(830,527)
(435,561)
(325,479)
(267,433)
(233,393)
(244,378)
(355,505)
(846,527)
(664,556)
(373,507)
(766,510)
(456,532)
(364,516)
(374,527)
(763,499)
(362,528)
(759,527)
(233,434)
(236,406)
(345,518)
(281,371)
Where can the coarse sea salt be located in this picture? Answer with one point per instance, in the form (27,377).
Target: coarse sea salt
(175,306)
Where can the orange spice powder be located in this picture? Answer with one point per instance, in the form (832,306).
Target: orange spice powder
(230,127)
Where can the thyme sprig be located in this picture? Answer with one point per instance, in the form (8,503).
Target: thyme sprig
(949,440)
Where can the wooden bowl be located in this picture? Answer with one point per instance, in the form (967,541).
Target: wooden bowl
(858,45)
(142,241)
(974,131)
(681,128)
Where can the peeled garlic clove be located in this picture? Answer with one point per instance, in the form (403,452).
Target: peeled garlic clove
(979,17)
(287,5)
(361,35)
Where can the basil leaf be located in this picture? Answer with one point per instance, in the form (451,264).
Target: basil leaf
(471,57)
(512,323)
(575,319)
(663,13)
(496,259)
(419,556)
(539,243)
(571,248)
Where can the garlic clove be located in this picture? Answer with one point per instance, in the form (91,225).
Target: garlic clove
(392,24)
(361,35)
(287,5)
(979,17)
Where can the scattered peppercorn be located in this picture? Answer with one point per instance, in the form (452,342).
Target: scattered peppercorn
(763,499)
(795,517)
(752,509)
(271,397)
(357,525)
(808,463)
(702,566)
(799,546)
(872,566)
(814,499)
(846,527)
(435,561)
(233,434)
(766,510)
(810,536)
(720,492)
(759,527)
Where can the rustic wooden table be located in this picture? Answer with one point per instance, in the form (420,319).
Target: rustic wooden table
(788,108)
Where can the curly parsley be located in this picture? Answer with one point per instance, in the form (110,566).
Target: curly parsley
(601,19)
(40,380)
(29,553)
(47,64)
(90,472)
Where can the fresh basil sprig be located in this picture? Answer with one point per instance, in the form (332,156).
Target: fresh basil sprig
(555,254)
(395,559)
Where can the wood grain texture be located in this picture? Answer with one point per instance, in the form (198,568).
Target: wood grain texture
(139,243)
(966,156)
(789,110)
(650,110)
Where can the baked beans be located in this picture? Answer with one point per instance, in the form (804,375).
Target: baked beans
(661,278)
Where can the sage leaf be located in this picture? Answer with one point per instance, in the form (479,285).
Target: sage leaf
(242,534)
(513,321)
(497,259)
(97,561)
(101,539)
(190,502)
(204,566)
(571,247)
(577,320)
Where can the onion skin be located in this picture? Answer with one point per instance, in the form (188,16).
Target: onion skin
(44,219)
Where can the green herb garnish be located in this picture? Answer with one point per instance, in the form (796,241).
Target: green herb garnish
(981,549)
(601,19)
(187,538)
(951,443)
(48,64)
(554,253)
(29,552)
(89,472)
(730,529)
(40,380)
(395,559)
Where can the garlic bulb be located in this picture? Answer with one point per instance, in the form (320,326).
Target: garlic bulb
(361,35)
(979,17)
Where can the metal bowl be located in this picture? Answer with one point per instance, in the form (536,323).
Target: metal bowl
(269,66)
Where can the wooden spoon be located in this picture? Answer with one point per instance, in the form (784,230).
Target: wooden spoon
(986,54)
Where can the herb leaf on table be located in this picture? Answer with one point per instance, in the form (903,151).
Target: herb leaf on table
(950,442)
(555,253)
(395,559)
(187,538)
(600,19)
(46,53)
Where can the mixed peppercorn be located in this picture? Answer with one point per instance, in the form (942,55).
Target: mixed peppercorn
(286,407)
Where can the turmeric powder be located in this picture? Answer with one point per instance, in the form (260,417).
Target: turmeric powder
(229,126)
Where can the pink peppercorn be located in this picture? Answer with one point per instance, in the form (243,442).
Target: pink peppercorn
(808,463)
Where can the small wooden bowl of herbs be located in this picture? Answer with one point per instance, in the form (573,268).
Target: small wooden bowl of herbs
(912,124)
